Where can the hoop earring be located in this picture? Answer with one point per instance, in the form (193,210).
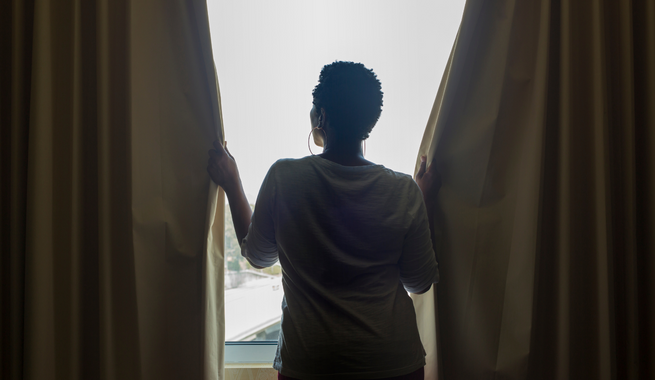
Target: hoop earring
(364,150)
(310,136)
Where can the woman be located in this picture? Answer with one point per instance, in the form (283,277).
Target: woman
(350,235)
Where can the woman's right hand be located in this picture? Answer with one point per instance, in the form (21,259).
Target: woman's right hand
(222,168)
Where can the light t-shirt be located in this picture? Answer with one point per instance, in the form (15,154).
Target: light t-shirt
(350,240)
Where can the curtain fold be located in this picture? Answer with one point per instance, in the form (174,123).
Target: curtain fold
(112,263)
(544,131)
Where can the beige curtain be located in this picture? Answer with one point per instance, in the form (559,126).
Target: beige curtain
(111,231)
(544,133)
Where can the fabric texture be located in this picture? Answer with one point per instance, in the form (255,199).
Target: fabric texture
(111,231)
(348,239)
(543,130)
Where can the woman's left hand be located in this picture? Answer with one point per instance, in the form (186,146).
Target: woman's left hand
(222,168)
(428,180)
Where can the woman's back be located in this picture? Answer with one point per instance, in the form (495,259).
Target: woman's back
(351,237)
(346,237)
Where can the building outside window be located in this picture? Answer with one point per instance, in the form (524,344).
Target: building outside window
(252,296)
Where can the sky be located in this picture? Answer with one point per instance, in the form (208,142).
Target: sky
(268,56)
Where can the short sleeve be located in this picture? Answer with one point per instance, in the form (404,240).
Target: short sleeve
(259,246)
(418,264)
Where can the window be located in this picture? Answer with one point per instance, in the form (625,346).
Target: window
(252,296)
(268,57)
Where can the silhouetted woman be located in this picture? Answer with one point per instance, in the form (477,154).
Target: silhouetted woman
(351,237)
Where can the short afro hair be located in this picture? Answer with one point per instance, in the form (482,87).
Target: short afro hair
(351,95)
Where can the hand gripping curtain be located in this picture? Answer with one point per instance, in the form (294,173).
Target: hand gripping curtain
(543,130)
(112,262)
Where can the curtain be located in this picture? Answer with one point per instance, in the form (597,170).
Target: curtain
(111,232)
(543,130)
(425,308)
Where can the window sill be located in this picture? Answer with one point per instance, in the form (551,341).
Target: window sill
(258,354)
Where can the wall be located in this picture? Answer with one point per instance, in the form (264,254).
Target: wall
(250,374)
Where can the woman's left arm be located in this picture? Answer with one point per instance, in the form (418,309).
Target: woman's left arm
(429,181)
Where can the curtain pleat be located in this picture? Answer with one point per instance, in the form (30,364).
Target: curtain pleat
(15,30)
(543,131)
(112,263)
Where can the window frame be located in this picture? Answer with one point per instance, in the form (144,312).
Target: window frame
(255,354)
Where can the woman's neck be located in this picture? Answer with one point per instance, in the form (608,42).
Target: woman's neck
(344,152)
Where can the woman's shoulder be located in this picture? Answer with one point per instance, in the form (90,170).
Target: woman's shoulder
(374,173)
(293,161)
(285,167)
(290,163)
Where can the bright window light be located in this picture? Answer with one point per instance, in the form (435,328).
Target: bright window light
(268,56)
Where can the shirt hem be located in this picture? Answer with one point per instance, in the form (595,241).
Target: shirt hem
(350,375)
